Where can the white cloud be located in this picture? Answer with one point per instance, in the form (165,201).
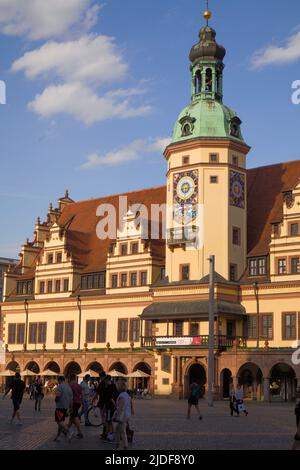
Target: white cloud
(81,102)
(273,55)
(89,58)
(130,152)
(41,19)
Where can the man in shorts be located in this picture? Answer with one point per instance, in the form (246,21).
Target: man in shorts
(63,401)
(76,404)
(17,388)
(193,399)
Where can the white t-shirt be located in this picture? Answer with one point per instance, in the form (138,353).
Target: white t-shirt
(126,413)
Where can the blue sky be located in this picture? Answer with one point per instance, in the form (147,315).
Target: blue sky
(94,90)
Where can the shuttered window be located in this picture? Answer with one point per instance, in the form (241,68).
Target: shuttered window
(148,328)
(123,330)
(90,331)
(289,326)
(21,333)
(252,327)
(134,330)
(59,332)
(33,328)
(12,333)
(69,332)
(266,327)
(101,331)
(42,333)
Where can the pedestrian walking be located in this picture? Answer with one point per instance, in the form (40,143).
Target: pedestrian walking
(193,399)
(233,402)
(85,399)
(109,396)
(76,404)
(122,414)
(17,388)
(63,401)
(239,395)
(101,402)
(38,394)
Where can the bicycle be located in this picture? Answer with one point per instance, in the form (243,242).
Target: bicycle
(95,416)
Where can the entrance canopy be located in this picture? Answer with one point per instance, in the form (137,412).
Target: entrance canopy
(189,310)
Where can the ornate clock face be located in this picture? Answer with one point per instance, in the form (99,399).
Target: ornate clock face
(237,189)
(185,196)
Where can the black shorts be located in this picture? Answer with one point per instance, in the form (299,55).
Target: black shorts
(193,401)
(60,415)
(75,409)
(109,414)
(16,403)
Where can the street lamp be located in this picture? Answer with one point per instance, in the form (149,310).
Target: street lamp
(211,331)
(255,286)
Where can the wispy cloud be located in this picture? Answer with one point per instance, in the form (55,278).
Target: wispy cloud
(42,19)
(276,55)
(135,150)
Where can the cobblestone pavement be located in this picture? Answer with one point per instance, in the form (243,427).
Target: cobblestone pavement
(160,424)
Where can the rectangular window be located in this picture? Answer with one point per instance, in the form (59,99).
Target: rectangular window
(257,267)
(294,230)
(42,287)
(123,250)
(90,331)
(50,259)
(213,158)
(289,326)
(134,330)
(276,230)
(194,329)
(114,281)
(252,328)
(282,266)
(185,272)
(83,282)
(262,266)
(133,279)
(233,272)
(66,285)
(24,287)
(124,280)
(144,278)
(148,328)
(57,286)
(186,160)
(122,330)
(12,327)
(178,328)
(236,236)
(59,332)
(50,286)
(162,272)
(69,332)
(295,265)
(90,281)
(267,326)
(214,180)
(20,333)
(101,331)
(135,248)
(59,257)
(42,333)
(235,160)
(33,329)
(166,363)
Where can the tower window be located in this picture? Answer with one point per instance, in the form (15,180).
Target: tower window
(233,272)
(198,82)
(236,236)
(208,80)
(186,160)
(214,180)
(213,158)
(186,130)
(235,161)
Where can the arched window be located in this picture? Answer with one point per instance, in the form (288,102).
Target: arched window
(218,83)
(198,82)
(208,80)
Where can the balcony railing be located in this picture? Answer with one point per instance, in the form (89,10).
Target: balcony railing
(183,235)
(200,341)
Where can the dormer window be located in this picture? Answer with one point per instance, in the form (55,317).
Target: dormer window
(124,250)
(235,125)
(59,257)
(294,230)
(289,199)
(187,125)
(50,259)
(186,130)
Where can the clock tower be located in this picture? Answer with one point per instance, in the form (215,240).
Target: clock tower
(206,179)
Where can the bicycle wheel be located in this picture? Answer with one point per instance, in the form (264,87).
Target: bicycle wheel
(94,416)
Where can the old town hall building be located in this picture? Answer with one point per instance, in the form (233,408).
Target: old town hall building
(77,302)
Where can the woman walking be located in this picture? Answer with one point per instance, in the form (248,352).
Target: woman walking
(124,411)
(193,399)
(239,395)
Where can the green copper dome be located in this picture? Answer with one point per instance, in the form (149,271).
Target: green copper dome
(207,119)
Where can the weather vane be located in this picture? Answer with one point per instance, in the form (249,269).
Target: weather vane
(207,14)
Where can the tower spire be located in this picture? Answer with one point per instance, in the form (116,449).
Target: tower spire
(207,14)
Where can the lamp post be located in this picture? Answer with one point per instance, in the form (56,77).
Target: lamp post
(211,331)
(255,285)
(79,323)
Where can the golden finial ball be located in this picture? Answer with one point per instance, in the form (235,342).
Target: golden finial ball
(207,15)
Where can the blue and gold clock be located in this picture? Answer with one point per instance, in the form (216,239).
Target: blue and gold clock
(185,196)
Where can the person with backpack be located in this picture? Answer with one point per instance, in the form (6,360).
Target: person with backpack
(38,394)
(193,399)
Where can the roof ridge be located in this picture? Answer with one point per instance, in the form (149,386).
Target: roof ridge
(273,165)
